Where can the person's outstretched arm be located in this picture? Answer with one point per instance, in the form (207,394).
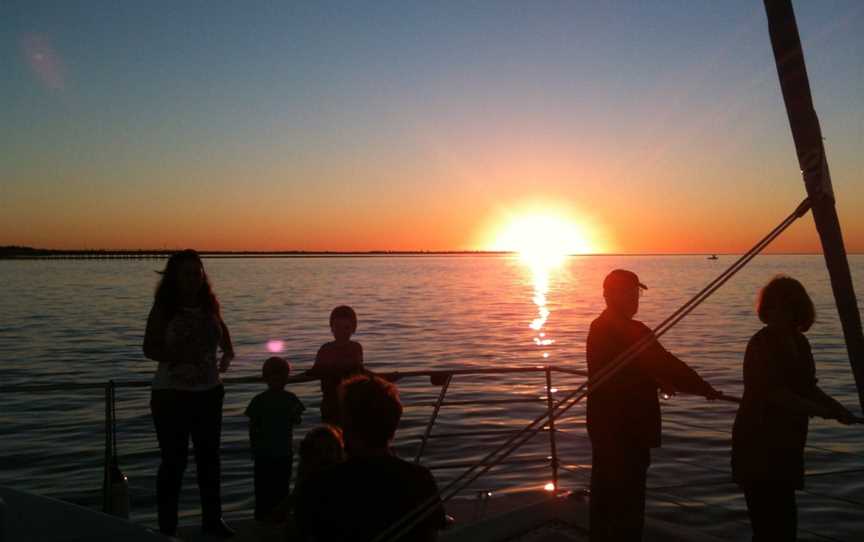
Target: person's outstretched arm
(671,372)
(835,408)
(763,374)
(791,401)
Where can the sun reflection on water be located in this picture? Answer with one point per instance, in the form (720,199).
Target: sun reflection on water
(543,239)
(541,271)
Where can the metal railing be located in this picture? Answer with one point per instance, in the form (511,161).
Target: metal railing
(442,378)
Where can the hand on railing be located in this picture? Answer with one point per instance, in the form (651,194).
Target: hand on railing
(843,415)
(667,391)
(714,394)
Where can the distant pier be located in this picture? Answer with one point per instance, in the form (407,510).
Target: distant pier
(29,253)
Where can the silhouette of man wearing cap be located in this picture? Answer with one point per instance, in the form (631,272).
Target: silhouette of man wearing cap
(624,412)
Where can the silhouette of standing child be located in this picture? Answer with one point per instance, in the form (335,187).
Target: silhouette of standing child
(780,394)
(336,361)
(272,417)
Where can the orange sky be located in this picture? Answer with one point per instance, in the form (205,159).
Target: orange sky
(656,130)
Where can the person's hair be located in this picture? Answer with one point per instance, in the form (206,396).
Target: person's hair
(276,364)
(785,301)
(344,311)
(371,409)
(322,447)
(168,291)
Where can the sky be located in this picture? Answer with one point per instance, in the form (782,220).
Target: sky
(651,127)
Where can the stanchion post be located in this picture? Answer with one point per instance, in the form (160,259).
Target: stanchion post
(553,446)
(106,482)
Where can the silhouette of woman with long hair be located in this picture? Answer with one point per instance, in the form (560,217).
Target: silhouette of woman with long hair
(184,332)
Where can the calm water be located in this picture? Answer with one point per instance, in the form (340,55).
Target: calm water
(83,321)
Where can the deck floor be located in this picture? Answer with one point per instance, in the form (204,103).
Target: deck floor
(554,531)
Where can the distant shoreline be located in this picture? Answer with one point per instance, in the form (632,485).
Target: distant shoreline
(40,254)
(30,253)
(23,253)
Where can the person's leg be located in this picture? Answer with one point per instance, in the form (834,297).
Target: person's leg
(759,508)
(288,465)
(262,476)
(629,504)
(268,486)
(282,486)
(773,513)
(793,515)
(786,515)
(642,462)
(272,486)
(172,432)
(206,430)
(601,497)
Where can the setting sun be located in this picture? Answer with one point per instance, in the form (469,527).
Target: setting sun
(542,239)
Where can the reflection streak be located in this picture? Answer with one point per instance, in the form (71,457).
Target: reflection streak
(541,270)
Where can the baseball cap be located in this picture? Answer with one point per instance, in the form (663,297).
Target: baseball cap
(621,278)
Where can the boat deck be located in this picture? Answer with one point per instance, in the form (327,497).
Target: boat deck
(520,517)
(32,518)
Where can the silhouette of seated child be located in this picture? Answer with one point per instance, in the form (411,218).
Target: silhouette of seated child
(320,449)
(373,489)
(272,417)
(336,361)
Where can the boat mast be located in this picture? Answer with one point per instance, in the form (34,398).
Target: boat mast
(814,167)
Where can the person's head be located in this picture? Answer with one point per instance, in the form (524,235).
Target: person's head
(343,322)
(184,280)
(784,302)
(371,411)
(322,447)
(276,371)
(622,290)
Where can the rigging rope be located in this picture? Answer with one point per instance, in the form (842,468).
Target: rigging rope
(413,518)
(727,431)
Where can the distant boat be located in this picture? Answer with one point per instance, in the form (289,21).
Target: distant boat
(713,257)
